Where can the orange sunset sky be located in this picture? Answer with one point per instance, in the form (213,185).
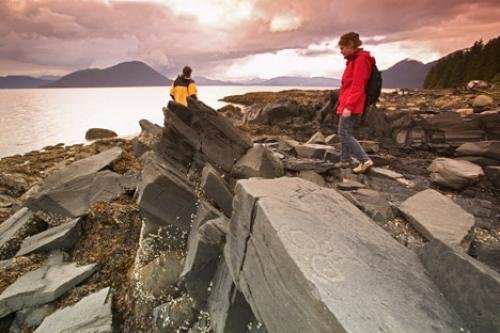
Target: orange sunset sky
(226,39)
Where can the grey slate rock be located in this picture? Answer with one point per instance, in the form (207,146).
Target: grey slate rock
(383,172)
(201,128)
(295,243)
(204,248)
(455,174)
(147,139)
(63,236)
(472,287)
(74,198)
(259,161)
(91,314)
(373,203)
(43,285)
(489,149)
(300,164)
(83,167)
(229,311)
(30,318)
(437,217)
(312,176)
(216,190)
(314,151)
(13,224)
(165,197)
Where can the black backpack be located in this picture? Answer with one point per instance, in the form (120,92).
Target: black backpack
(373,86)
(373,90)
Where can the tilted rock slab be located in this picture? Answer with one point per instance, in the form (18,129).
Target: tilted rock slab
(216,189)
(199,128)
(471,286)
(204,247)
(43,285)
(74,198)
(91,314)
(13,224)
(80,168)
(307,260)
(436,216)
(63,236)
(165,196)
(259,161)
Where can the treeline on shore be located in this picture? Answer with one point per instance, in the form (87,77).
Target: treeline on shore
(480,62)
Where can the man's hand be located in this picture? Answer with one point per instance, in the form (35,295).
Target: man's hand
(346,113)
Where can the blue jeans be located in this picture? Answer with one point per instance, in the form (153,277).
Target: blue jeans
(349,145)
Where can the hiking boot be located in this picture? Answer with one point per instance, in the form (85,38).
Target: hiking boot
(342,165)
(362,167)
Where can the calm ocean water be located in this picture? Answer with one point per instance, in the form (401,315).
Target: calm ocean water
(31,119)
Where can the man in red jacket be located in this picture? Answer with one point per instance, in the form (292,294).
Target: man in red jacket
(352,100)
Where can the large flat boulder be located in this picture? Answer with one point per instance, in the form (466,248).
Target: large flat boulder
(436,216)
(43,285)
(83,167)
(63,236)
(216,189)
(74,198)
(455,174)
(483,148)
(91,314)
(13,224)
(295,243)
(471,286)
(259,161)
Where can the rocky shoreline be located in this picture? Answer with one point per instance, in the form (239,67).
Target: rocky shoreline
(175,224)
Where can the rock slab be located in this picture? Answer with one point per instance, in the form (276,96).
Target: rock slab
(13,224)
(436,216)
(43,285)
(292,242)
(91,314)
(455,174)
(63,236)
(471,286)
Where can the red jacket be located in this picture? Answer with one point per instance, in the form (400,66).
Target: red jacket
(354,80)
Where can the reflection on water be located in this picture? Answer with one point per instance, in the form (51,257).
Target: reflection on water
(34,118)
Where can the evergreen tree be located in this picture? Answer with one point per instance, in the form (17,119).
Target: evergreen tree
(479,62)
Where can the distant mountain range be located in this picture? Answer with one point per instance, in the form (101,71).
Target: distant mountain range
(405,74)
(21,82)
(125,74)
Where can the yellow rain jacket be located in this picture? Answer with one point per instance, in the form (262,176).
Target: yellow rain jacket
(181,89)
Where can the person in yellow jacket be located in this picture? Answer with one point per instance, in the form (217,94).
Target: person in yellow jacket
(183,87)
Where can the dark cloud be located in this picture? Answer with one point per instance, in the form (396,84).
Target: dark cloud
(77,34)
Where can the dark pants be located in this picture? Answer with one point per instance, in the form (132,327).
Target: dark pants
(349,145)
